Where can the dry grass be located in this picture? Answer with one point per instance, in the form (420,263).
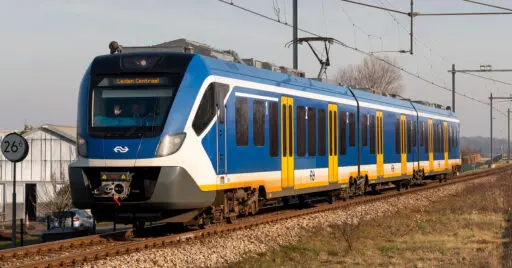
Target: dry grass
(473,228)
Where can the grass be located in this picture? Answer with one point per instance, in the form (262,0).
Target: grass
(473,228)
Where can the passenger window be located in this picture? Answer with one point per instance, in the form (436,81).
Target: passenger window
(343,133)
(364,129)
(422,132)
(273,129)
(397,136)
(301,131)
(372,134)
(241,118)
(321,132)
(311,131)
(352,129)
(414,133)
(409,136)
(258,119)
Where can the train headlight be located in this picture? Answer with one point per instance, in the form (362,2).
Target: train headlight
(170,144)
(81,145)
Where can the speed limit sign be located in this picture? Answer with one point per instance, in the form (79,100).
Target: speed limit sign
(14,147)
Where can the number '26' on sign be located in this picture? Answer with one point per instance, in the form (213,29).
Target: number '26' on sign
(14,147)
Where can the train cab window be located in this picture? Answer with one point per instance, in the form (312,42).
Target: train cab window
(321,132)
(450,135)
(213,96)
(241,120)
(364,130)
(205,111)
(258,119)
(409,135)
(311,131)
(397,137)
(301,131)
(372,134)
(352,129)
(343,132)
(273,129)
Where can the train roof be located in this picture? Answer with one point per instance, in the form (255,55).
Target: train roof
(249,73)
(253,74)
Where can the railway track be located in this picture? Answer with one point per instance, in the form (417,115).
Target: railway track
(127,247)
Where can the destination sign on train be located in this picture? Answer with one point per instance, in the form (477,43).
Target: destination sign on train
(128,81)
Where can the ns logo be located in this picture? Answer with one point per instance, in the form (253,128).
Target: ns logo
(121,149)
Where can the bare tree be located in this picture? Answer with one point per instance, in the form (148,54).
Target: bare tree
(54,199)
(374,74)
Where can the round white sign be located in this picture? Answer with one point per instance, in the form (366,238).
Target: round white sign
(14,147)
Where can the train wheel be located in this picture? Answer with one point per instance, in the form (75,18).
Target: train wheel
(231,219)
(139,225)
(330,199)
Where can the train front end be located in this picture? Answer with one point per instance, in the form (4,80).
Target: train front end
(134,162)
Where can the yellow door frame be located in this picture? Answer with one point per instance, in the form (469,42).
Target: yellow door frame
(380,145)
(403,138)
(333,142)
(287,149)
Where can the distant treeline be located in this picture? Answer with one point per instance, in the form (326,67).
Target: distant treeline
(482,145)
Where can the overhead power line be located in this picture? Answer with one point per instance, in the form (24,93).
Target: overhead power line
(488,5)
(417,76)
(487,78)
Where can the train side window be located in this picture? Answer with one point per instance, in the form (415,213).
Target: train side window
(409,135)
(311,131)
(343,132)
(242,125)
(372,134)
(301,131)
(258,119)
(364,130)
(450,135)
(352,129)
(205,111)
(434,132)
(414,133)
(397,137)
(422,132)
(321,132)
(273,129)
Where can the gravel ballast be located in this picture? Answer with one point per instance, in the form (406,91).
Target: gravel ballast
(226,248)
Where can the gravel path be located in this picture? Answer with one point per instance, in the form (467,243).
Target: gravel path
(232,247)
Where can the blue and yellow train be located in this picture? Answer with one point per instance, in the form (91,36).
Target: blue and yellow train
(181,137)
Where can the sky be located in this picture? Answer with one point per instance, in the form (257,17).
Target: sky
(47,45)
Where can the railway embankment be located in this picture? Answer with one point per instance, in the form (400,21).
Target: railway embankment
(350,236)
(466,225)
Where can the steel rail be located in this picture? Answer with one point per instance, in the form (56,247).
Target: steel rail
(127,248)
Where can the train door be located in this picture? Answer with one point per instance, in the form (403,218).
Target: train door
(287,165)
(403,141)
(333,142)
(430,146)
(445,141)
(380,145)
(221,90)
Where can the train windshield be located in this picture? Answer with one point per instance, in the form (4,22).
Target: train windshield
(129,111)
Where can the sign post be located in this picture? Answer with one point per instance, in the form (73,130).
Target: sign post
(14,148)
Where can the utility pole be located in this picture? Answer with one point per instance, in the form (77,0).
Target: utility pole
(412,24)
(295,36)
(453,88)
(483,68)
(508,140)
(490,98)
